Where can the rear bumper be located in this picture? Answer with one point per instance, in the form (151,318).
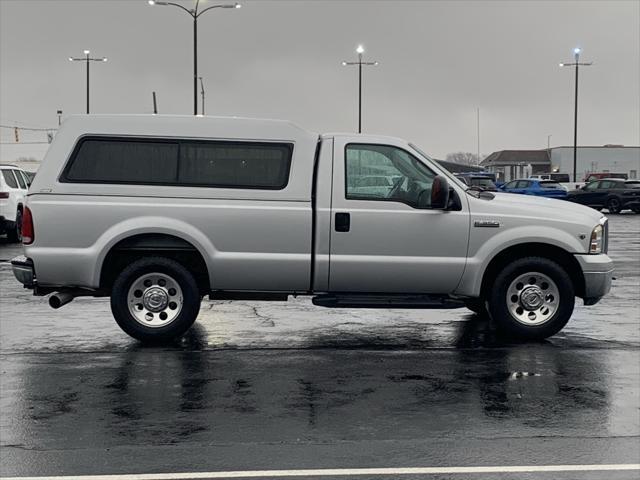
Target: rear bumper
(23,271)
(597,271)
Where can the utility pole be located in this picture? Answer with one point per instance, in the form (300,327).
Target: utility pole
(155,104)
(87,59)
(577,64)
(59,112)
(360,63)
(478,123)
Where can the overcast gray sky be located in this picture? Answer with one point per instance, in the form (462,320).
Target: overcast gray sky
(282,59)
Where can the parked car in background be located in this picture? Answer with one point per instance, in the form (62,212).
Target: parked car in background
(14,183)
(479,181)
(558,177)
(592,177)
(539,188)
(373,185)
(614,194)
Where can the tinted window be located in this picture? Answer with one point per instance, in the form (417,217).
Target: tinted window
(259,165)
(9,179)
(180,162)
(607,184)
(27,178)
(124,161)
(632,184)
(510,185)
(413,180)
(21,181)
(591,186)
(523,184)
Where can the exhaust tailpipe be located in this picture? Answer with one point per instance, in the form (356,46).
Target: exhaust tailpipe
(59,299)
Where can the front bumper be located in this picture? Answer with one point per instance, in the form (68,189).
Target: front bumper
(597,271)
(23,271)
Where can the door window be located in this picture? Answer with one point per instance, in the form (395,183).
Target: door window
(523,184)
(9,179)
(21,181)
(511,185)
(406,179)
(592,186)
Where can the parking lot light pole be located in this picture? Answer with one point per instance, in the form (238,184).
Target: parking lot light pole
(577,64)
(195,14)
(88,60)
(360,63)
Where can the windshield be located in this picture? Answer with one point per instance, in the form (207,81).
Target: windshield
(450,176)
(482,182)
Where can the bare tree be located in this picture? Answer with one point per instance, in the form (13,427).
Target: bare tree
(463,158)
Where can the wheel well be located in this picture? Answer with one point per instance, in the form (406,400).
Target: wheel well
(565,259)
(153,244)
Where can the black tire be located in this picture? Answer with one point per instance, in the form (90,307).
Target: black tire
(15,234)
(178,326)
(498,302)
(614,205)
(635,209)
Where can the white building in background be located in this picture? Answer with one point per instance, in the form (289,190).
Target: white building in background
(512,164)
(606,159)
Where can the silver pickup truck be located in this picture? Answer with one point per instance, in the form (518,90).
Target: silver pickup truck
(158,211)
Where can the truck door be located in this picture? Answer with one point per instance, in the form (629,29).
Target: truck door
(389,240)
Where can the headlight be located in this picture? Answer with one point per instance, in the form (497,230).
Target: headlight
(595,245)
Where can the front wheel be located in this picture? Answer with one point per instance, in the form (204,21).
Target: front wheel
(614,205)
(532,298)
(155,299)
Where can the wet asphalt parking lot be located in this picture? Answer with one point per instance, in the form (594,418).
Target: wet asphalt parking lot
(287,386)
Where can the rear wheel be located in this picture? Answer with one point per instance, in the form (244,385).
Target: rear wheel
(532,298)
(15,234)
(155,299)
(614,205)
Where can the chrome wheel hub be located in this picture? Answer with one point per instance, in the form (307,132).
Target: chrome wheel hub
(533,298)
(155,300)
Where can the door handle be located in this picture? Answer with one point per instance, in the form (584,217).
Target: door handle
(343,222)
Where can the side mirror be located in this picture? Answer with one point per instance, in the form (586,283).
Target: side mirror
(439,193)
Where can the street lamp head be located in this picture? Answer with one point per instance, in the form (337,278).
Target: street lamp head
(71,59)
(375,64)
(360,49)
(237,5)
(151,2)
(561,64)
(104,59)
(344,64)
(577,50)
(86,52)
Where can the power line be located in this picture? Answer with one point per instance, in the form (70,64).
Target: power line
(28,128)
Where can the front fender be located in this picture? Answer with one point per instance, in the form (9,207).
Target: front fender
(483,251)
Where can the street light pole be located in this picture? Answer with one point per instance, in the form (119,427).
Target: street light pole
(87,59)
(577,64)
(195,14)
(360,63)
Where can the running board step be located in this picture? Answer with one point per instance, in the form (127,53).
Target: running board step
(385,301)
